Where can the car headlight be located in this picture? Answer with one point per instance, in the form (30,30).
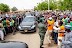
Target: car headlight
(32,26)
(19,27)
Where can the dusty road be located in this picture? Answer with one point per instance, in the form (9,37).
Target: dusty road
(32,39)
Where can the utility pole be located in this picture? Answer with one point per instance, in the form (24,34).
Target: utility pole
(48,4)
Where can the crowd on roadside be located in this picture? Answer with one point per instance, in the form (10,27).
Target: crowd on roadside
(9,23)
(55,26)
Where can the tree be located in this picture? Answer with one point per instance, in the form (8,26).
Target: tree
(42,6)
(53,4)
(65,5)
(4,7)
(68,4)
(35,8)
(1,8)
(14,9)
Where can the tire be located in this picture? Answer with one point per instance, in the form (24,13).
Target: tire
(35,29)
(26,45)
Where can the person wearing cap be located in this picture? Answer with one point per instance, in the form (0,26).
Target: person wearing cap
(42,31)
(11,24)
(6,15)
(70,23)
(48,37)
(67,40)
(65,20)
(5,25)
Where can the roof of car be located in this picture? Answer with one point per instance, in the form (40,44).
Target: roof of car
(29,16)
(12,44)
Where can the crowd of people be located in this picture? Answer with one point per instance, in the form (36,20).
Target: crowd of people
(9,23)
(53,26)
(56,26)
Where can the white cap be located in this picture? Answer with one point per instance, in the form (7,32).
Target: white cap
(0,18)
(50,18)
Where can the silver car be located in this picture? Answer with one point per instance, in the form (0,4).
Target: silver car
(28,24)
(13,44)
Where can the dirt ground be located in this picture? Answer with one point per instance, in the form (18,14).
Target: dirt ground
(32,39)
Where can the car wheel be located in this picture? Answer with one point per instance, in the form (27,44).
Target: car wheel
(35,29)
(26,45)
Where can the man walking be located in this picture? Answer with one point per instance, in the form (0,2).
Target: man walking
(42,30)
(48,37)
(67,41)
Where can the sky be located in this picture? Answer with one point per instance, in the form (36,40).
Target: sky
(21,4)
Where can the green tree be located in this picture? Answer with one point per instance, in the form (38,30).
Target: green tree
(42,6)
(1,8)
(52,6)
(62,6)
(68,4)
(35,8)
(65,5)
(14,9)
(4,7)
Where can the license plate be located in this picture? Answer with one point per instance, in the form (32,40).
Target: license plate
(25,30)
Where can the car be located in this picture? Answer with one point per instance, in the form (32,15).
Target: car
(13,44)
(27,14)
(28,24)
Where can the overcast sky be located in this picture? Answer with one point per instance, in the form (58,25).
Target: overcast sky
(21,4)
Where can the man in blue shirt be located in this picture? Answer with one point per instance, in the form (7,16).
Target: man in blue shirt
(67,41)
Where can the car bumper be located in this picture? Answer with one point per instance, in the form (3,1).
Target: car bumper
(27,30)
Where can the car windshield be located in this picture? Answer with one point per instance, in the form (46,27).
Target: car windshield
(28,19)
(28,13)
